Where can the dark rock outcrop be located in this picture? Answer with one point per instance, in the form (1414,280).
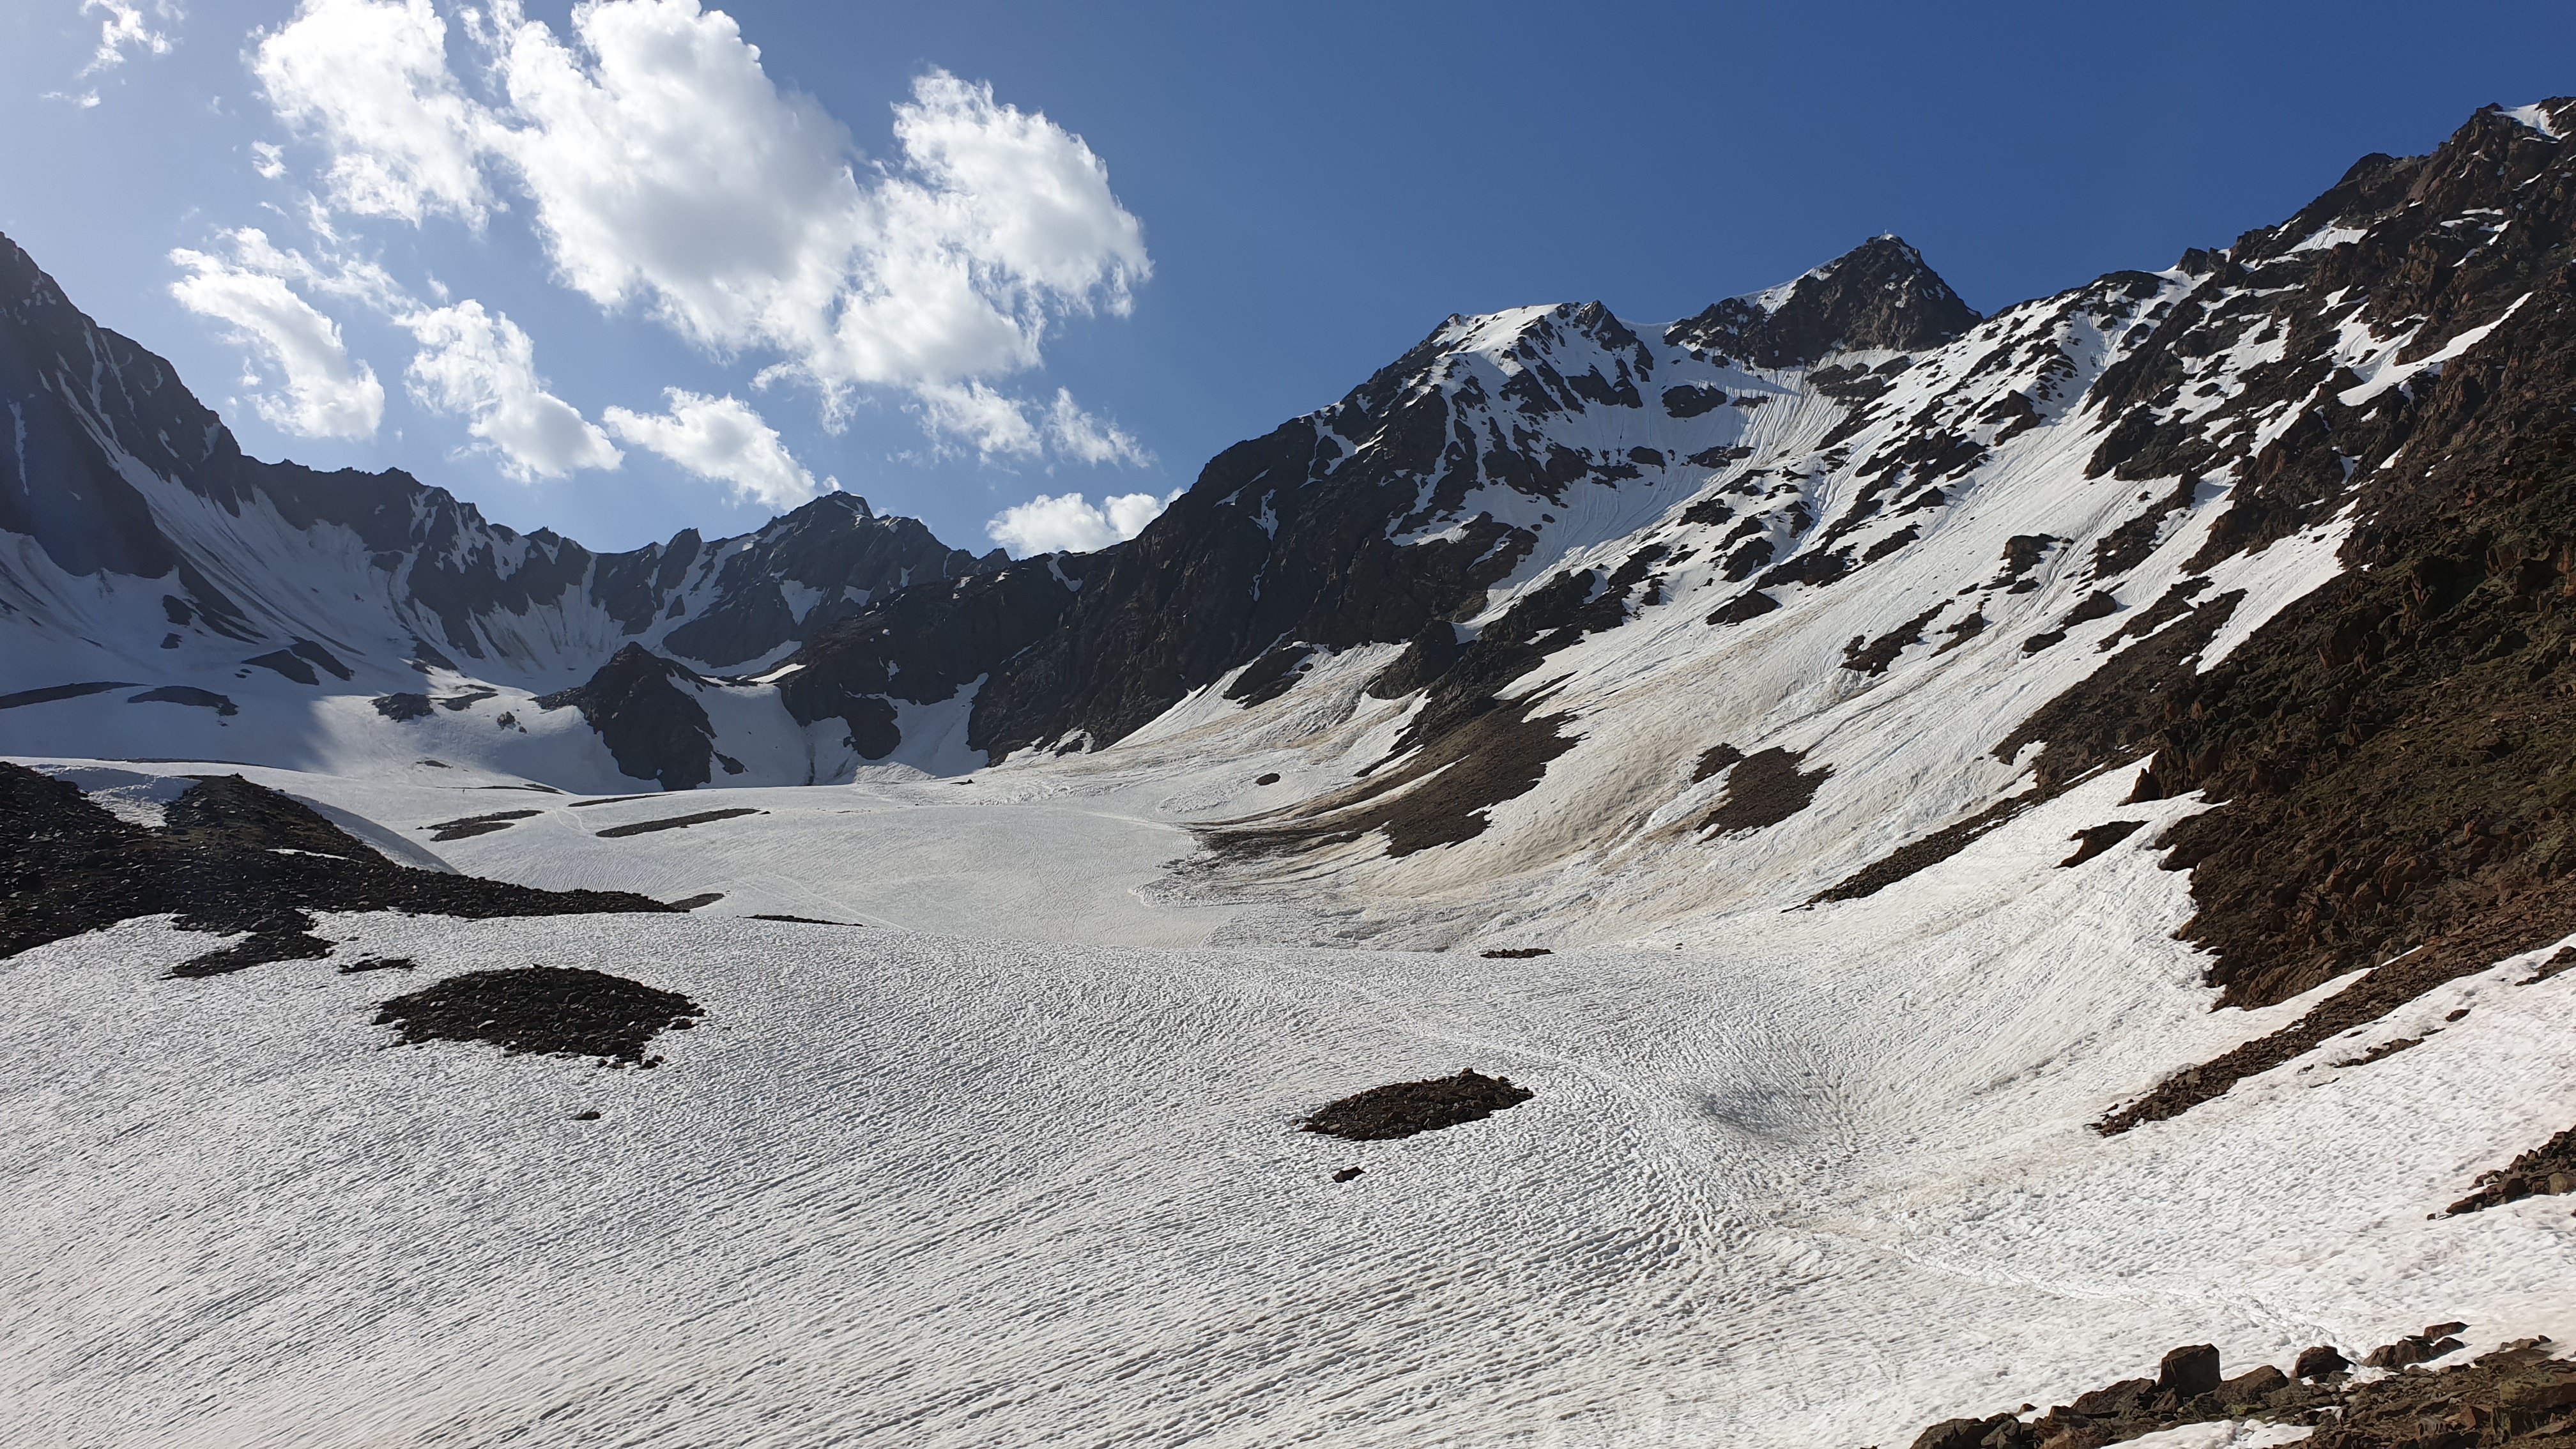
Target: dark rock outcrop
(1404,1109)
(654,728)
(1879,295)
(2092,840)
(673,822)
(835,546)
(232,857)
(2318,1361)
(2189,1371)
(548,1010)
(922,645)
(1765,788)
(2549,1169)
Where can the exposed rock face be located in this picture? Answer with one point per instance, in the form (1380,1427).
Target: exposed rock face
(835,547)
(923,645)
(1877,297)
(2387,748)
(646,710)
(57,485)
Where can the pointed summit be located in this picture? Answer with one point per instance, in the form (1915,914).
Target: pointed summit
(1877,295)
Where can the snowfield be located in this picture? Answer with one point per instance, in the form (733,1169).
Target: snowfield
(1795,1178)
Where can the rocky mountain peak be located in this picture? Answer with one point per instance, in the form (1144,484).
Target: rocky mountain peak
(2554,118)
(849,503)
(2485,167)
(1880,295)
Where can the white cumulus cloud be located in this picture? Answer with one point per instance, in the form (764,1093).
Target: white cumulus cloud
(721,439)
(994,424)
(664,169)
(369,79)
(470,363)
(482,366)
(1065,523)
(327,393)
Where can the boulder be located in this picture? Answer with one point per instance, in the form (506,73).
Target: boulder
(2003,1431)
(2254,1387)
(2319,1361)
(2189,1371)
(2115,1400)
(1952,1434)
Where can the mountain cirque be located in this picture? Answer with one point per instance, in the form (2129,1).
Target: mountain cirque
(1973,847)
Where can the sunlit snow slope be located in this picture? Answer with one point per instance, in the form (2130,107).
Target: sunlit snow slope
(1808,1179)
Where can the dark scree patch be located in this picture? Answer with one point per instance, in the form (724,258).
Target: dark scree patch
(473,825)
(677,822)
(555,1010)
(1766,788)
(2095,839)
(1405,1108)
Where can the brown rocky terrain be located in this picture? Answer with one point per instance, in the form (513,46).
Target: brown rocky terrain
(232,858)
(2522,1393)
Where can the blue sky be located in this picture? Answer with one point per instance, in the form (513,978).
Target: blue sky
(882,242)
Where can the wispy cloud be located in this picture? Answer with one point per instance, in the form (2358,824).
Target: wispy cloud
(324,393)
(125,30)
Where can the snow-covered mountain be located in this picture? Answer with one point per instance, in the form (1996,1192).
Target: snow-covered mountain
(1538,613)
(143,542)
(1915,721)
(1776,601)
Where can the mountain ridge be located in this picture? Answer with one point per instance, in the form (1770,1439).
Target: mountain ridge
(1491,541)
(120,471)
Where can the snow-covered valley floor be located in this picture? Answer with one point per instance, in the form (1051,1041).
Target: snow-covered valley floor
(1013,1161)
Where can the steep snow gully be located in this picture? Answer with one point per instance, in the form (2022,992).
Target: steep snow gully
(1994,847)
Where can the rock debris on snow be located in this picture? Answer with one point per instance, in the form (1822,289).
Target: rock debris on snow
(1403,1109)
